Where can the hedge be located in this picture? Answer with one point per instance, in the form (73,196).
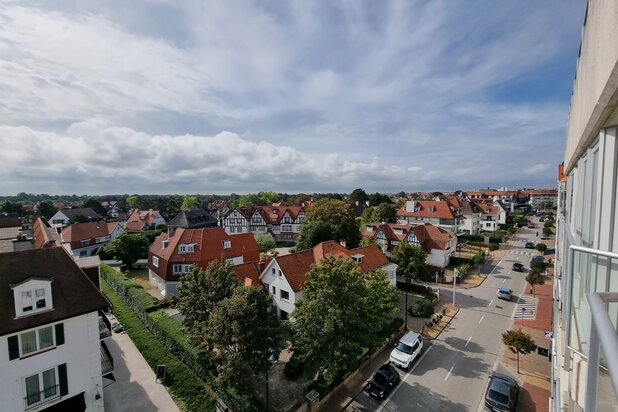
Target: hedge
(186,388)
(175,342)
(414,288)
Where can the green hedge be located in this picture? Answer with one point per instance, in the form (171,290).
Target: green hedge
(414,288)
(175,342)
(186,388)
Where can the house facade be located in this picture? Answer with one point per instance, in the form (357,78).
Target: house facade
(53,356)
(284,276)
(280,221)
(85,239)
(438,213)
(62,217)
(175,253)
(438,244)
(543,198)
(141,220)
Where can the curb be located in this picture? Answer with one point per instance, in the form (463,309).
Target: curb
(443,327)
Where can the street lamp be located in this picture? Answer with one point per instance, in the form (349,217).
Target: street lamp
(274,357)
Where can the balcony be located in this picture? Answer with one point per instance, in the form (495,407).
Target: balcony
(105,327)
(107,362)
(39,398)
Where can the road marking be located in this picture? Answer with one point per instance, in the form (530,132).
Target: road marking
(504,280)
(449,372)
(403,380)
(482,317)
(468,341)
(491,302)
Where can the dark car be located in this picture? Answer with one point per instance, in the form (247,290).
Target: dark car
(383,381)
(529,245)
(502,393)
(518,267)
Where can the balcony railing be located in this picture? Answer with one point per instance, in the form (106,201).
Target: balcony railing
(105,327)
(39,398)
(107,361)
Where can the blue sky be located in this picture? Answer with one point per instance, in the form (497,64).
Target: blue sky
(301,96)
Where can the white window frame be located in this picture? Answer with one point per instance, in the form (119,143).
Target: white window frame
(281,292)
(37,334)
(155,261)
(226,244)
(43,398)
(33,288)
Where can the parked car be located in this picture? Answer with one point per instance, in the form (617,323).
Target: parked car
(518,267)
(407,349)
(544,237)
(502,393)
(504,293)
(542,219)
(383,381)
(529,245)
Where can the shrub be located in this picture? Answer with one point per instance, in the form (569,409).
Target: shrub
(464,269)
(422,308)
(293,369)
(541,247)
(431,296)
(413,287)
(494,246)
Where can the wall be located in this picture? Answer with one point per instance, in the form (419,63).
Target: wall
(280,283)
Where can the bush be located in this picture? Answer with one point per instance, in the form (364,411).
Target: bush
(413,287)
(464,269)
(541,247)
(422,308)
(431,296)
(494,246)
(293,369)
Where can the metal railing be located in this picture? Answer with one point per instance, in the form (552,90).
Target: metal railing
(107,361)
(39,398)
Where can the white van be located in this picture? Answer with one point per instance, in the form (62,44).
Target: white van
(407,349)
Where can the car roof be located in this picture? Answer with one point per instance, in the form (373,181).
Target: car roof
(503,377)
(410,338)
(505,290)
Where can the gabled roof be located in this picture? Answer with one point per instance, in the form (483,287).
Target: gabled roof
(209,245)
(82,231)
(429,236)
(296,265)
(44,235)
(193,219)
(140,218)
(84,211)
(429,209)
(10,222)
(249,272)
(73,293)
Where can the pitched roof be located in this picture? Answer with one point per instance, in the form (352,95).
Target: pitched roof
(208,243)
(84,211)
(44,235)
(90,230)
(249,272)
(429,209)
(73,293)
(429,236)
(193,219)
(141,218)
(10,221)
(296,265)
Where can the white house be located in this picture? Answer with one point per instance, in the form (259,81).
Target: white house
(284,276)
(62,217)
(52,357)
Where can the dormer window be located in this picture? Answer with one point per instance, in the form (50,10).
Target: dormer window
(32,296)
(165,244)
(226,244)
(190,248)
(358,258)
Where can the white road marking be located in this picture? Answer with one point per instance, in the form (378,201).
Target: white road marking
(403,380)
(482,317)
(491,302)
(468,341)
(449,372)
(504,280)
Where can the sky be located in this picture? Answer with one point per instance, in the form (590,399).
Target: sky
(147,97)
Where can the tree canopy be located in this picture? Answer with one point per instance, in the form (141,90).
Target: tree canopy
(385,212)
(198,294)
(265,241)
(95,205)
(261,198)
(358,195)
(128,247)
(189,202)
(534,279)
(518,342)
(339,218)
(410,260)
(46,210)
(341,310)
(313,233)
(379,198)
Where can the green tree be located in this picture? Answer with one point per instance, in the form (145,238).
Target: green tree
(128,248)
(238,330)
(382,300)
(265,241)
(95,205)
(410,260)
(79,219)
(367,215)
(267,198)
(189,202)
(422,308)
(133,201)
(358,195)
(401,194)
(249,199)
(313,233)
(541,247)
(198,294)
(385,212)
(518,342)
(338,216)
(8,207)
(334,313)
(46,210)
(379,198)
(366,241)
(464,269)
(537,266)
(479,259)
(534,279)
(547,231)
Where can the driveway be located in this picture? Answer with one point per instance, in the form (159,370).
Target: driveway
(135,388)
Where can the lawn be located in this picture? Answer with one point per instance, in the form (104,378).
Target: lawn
(140,277)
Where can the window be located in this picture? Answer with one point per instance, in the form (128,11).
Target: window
(33,300)
(85,242)
(58,221)
(286,228)
(279,272)
(33,341)
(274,271)
(45,386)
(155,261)
(186,248)
(274,291)
(181,269)
(226,244)
(285,295)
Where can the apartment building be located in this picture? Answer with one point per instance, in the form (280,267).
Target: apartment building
(585,343)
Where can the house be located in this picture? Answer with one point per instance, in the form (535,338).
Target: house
(192,219)
(43,235)
(174,254)
(10,228)
(438,244)
(51,334)
(493,215)
(280,221)
(284,276)
(542,198)
(438,213)
(141,220)
(472,215)
(112,208)
(219,208)
(62,217)
(85,239)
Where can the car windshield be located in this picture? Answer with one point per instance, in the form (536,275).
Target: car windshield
(380,379)
(406,348)
(505,291)
(498,397)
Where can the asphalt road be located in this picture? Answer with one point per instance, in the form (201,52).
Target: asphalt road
(452,373)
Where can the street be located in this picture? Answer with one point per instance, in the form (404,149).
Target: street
(452,373)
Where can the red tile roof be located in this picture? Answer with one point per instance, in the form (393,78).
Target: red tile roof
(428,235)
(429,209)
(82,231)
(249,272)
(141,218)
(44,235)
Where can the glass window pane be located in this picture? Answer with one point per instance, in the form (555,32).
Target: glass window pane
(33,393)
(26,301)
(49,383)
(28,342)
(40,298)
(46,338)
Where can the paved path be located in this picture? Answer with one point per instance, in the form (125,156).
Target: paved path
(135,389)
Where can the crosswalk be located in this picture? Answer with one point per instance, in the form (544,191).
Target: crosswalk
(521,252)
(526,308)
